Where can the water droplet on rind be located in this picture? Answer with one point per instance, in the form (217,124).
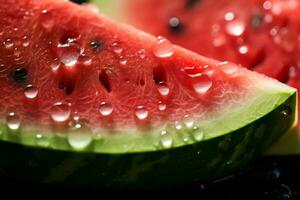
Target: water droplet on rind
(286,111)
(42,140)
(166,141)
(79,140)
(198,135)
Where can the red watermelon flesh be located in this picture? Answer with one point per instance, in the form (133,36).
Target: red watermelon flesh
(63,66)
(261,35)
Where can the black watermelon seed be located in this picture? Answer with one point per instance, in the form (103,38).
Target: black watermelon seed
(96,45)
(20,75)
(192,3)
(175,25)
(80,1)
(256,21)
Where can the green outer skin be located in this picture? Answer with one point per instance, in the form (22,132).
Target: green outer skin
(205,160)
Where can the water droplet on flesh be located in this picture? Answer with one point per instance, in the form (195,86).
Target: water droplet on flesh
(105,109)
(69,54)
(31,92)
(141,113)
(243,49)
(142,53)
(13,121)
(202,84)
(60,112)
(228,68)
(8,43)
(163,89)
(55,64)
(122,60)
(117,49)
(47,20)
(162,106)
(163,48)
(229,16)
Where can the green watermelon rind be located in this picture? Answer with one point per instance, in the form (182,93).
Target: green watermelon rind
(204,160)
(228,121)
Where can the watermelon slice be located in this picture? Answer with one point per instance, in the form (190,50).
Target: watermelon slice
(88,101)
(261,35)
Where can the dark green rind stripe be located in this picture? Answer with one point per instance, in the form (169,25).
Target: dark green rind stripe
(204,160)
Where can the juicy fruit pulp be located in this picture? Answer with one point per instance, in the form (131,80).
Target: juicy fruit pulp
(83,82)
(261,35)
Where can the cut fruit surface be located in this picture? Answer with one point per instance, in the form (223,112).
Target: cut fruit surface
(124,103)
(261,35)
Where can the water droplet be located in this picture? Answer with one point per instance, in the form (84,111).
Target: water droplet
(76,116)
(13,121)
(166,141)
(163,89)
(267,5)
(105,109)
(141,113)
(229,16)
(198,135)
(202,84)
(163,48)
(228,68)
(86,60)
(60,112)
(243,49)
(178,125)
(163,132)
(186,138)
(55,64)
(47,20)
(235,28)
(79,140)
(286,112)
(142,53)
(188,121)
(26,41)
(69,54)
(122,60)
(117,49)
(8,43)
(162,106)
(31,92)
(41,140)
